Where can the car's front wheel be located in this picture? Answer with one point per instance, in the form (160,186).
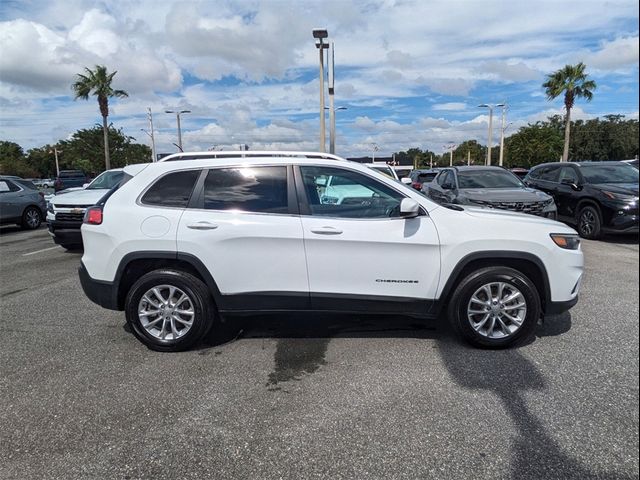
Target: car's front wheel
(495,307)
(169,310)
(31,218)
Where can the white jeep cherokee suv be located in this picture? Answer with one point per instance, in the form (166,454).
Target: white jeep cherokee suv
(202,235)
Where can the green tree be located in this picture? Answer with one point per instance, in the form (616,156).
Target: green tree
(98,82)
(472,149)
(573,83)
(536,143)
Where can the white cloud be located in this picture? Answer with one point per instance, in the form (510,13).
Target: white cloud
(450,106)
(619,53)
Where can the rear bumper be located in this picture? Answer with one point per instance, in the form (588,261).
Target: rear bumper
(102,293)
(65,233)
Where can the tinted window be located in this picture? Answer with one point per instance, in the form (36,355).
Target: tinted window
(446,177)
(569,174)
(548,174)
(172,190)
(106,180)
(249,189)
(7,186)
(488,179)
(72,174)
(614,173)
(349,194)
(27,184)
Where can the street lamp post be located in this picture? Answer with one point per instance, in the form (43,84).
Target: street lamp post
(490,140)
(320,34)
(450,147)
(502,130)
(153,139)
(332,121)
(375,148)
(178,113)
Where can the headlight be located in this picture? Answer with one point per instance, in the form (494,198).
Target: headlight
(566,241)
(549,205)
(620,196)
(50,208)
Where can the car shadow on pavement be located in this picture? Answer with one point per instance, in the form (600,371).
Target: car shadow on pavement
(510,375)
(303,339)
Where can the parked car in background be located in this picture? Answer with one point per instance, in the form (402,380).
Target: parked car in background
(519,172)
(182,243)
(596,197)
(491,187)
(21,203)
(70,178)
(420,177)
(44,182)
(633,162)
(65,210)
(384,168)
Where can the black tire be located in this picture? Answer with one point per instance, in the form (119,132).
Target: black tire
(31,218)
(589,223)
(461,299)
(198,294)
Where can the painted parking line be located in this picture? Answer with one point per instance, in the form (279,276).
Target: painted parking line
(40,251)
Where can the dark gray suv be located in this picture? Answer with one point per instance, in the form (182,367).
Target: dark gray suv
(490,187)
(21,203)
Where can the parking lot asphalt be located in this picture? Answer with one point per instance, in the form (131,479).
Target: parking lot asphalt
(312,396)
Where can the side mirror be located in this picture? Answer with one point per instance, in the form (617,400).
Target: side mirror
(409,208)
(85,185)
(571,184)
(406,180)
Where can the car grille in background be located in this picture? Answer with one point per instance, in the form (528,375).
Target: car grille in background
(534,208)
(69,217)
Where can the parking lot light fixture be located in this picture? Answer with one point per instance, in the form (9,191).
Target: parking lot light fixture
(178,113)
(320,34)
(490,135)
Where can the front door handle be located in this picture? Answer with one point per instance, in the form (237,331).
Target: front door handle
(202,226)
(326,230)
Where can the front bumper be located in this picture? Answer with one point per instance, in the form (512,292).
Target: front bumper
(65,233)
(103,293)
(556,308)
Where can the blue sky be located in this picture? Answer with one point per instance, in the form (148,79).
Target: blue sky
(411,73)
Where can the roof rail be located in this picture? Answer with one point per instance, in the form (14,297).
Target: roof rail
(248,154)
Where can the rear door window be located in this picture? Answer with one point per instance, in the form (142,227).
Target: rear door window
(247,189)
(172,190)
(549,174)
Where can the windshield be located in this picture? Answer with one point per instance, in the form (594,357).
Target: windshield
(615,173)
(106,181)
(488,179)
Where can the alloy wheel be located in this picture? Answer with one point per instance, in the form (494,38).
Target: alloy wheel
(587,222)
(166,312)
(497,310)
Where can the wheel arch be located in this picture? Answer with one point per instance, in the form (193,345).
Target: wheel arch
(592,202)
(525,262)
(134,265)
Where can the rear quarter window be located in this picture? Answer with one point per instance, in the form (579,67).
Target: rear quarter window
(172,190)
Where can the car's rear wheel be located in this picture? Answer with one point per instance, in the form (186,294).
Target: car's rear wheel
(31,218)
(495,307)
(589,223)
(169,310)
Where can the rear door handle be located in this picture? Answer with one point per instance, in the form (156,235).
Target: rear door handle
(202,226)
(326,230)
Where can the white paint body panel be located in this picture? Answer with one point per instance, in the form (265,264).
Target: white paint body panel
(266,253)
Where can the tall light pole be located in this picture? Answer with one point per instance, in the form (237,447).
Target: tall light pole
(55,152)
(450,147)
(332,121)
(178,113)
(502,130)
(153,138)
(320,34)
(375,148)
(490,139)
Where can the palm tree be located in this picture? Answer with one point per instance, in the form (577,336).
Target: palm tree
(98,83)
(572,81)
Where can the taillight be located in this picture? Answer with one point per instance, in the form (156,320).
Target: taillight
(416,185)
(93,216)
